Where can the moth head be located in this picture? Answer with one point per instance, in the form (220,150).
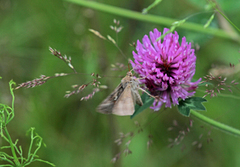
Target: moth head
(129,73)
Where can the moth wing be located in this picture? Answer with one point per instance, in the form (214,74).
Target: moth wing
(125,104)
(135,94)
(107,105)
(139,100)
(137,97)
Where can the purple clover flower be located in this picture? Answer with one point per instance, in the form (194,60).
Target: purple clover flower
(166,67)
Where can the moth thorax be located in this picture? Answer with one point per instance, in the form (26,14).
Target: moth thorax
(134,84)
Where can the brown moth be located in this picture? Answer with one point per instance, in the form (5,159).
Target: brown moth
(122,100)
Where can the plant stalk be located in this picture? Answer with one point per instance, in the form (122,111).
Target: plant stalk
(12,147)
(154,19)
(218,125)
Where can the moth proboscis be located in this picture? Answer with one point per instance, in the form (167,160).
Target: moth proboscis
(123,99)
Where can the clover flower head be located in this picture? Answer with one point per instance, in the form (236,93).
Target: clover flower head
(166,66)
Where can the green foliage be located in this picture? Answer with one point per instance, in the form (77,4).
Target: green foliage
(17,159)
(194,103)
(74,132)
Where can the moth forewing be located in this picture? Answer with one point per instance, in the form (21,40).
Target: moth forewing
(122,100)
(125,104)
(107,105)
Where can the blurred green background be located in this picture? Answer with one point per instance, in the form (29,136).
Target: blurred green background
(75,134)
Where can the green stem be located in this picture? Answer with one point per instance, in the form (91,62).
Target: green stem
(12,147)
(216,124)
(228,20)
(153,18)
(13,99)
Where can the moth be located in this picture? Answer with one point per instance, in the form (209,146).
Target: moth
(123,99)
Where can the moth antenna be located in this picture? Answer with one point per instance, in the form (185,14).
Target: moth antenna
(129,67)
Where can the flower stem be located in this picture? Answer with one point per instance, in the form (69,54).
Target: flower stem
(12,147)
(218,125)
(153,18)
